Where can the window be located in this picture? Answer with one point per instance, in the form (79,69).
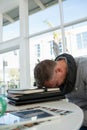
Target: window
(42,26)
(51,47)
(81,40)
(74,9)
(84,39)
(11,31)
(44,19)
(38,50)
(9,70)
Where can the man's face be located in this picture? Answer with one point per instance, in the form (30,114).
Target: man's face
(58,78)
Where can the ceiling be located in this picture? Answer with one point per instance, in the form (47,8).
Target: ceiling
(10,8)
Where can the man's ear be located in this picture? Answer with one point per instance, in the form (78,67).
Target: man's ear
(57,69)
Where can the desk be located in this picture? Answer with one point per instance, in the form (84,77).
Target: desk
(69,122)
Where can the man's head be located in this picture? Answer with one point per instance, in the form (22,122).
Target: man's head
(50,73)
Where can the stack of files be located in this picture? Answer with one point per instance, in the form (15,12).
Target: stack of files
(27,96)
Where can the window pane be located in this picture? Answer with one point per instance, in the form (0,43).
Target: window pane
(74,9)
(84,38)
(44,19)
(76,36)
(79,41)
(9,69)
(11,31)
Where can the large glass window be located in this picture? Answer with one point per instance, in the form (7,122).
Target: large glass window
(45,30)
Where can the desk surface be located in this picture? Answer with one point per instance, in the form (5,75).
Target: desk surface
(68,122)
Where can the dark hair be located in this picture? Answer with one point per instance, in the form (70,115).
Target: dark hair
(43,71)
